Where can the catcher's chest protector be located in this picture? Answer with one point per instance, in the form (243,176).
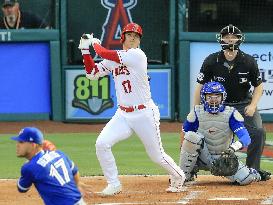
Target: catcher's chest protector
(215,128)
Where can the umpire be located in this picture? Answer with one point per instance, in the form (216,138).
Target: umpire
(237,71)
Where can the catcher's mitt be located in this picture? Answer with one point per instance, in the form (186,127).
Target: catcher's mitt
(48,145)
(226,165)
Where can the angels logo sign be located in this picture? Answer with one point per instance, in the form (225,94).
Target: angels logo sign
(118,16)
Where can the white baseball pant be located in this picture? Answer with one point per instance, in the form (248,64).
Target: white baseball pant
(145,123)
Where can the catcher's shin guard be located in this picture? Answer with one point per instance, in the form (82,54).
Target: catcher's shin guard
(189,152)
(253,176)
(245,175)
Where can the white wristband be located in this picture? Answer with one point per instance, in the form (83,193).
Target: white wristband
(85,51)
(236,145)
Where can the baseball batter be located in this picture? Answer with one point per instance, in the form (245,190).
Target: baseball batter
(209,130)
(54,175)
(136,110)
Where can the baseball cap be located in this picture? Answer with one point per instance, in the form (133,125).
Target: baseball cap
(29,134)
(9,3)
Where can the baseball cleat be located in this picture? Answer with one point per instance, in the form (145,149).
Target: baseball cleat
(190,179)
(176,185)
(111,190)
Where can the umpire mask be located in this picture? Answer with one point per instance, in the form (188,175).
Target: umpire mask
(233,30)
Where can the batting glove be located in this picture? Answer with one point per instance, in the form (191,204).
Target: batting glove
(85,43)
(95,40)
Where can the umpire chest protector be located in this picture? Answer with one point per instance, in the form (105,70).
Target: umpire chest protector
(215,128)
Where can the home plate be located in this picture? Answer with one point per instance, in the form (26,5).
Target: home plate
(228,199)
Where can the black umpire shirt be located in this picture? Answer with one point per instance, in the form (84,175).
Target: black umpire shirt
(237,76)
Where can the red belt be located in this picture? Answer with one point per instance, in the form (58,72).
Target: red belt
(132,108)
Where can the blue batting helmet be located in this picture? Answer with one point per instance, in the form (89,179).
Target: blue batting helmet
(213,88)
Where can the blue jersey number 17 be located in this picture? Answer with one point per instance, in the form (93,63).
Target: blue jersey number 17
(56,169)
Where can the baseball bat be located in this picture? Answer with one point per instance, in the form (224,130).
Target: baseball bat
(263,109)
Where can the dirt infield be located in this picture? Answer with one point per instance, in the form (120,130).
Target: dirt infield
(60,127)
(151,190)
(141,189)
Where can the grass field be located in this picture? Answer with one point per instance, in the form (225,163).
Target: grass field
(130,154)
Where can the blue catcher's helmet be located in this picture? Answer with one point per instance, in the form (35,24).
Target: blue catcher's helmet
(213,88)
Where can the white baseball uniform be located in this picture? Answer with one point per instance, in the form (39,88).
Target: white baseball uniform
(136,113)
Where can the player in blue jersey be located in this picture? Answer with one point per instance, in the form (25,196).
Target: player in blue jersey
(209,131)
(54,175)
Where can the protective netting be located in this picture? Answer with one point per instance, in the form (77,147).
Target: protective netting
(212,15)
(45,10)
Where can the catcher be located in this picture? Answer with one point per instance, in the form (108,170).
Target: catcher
(209,139)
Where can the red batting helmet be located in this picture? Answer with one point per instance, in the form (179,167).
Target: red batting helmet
(131,27)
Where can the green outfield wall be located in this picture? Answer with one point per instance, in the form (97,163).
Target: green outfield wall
(34,80)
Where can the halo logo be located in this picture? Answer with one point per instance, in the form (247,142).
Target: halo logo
(118,16)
